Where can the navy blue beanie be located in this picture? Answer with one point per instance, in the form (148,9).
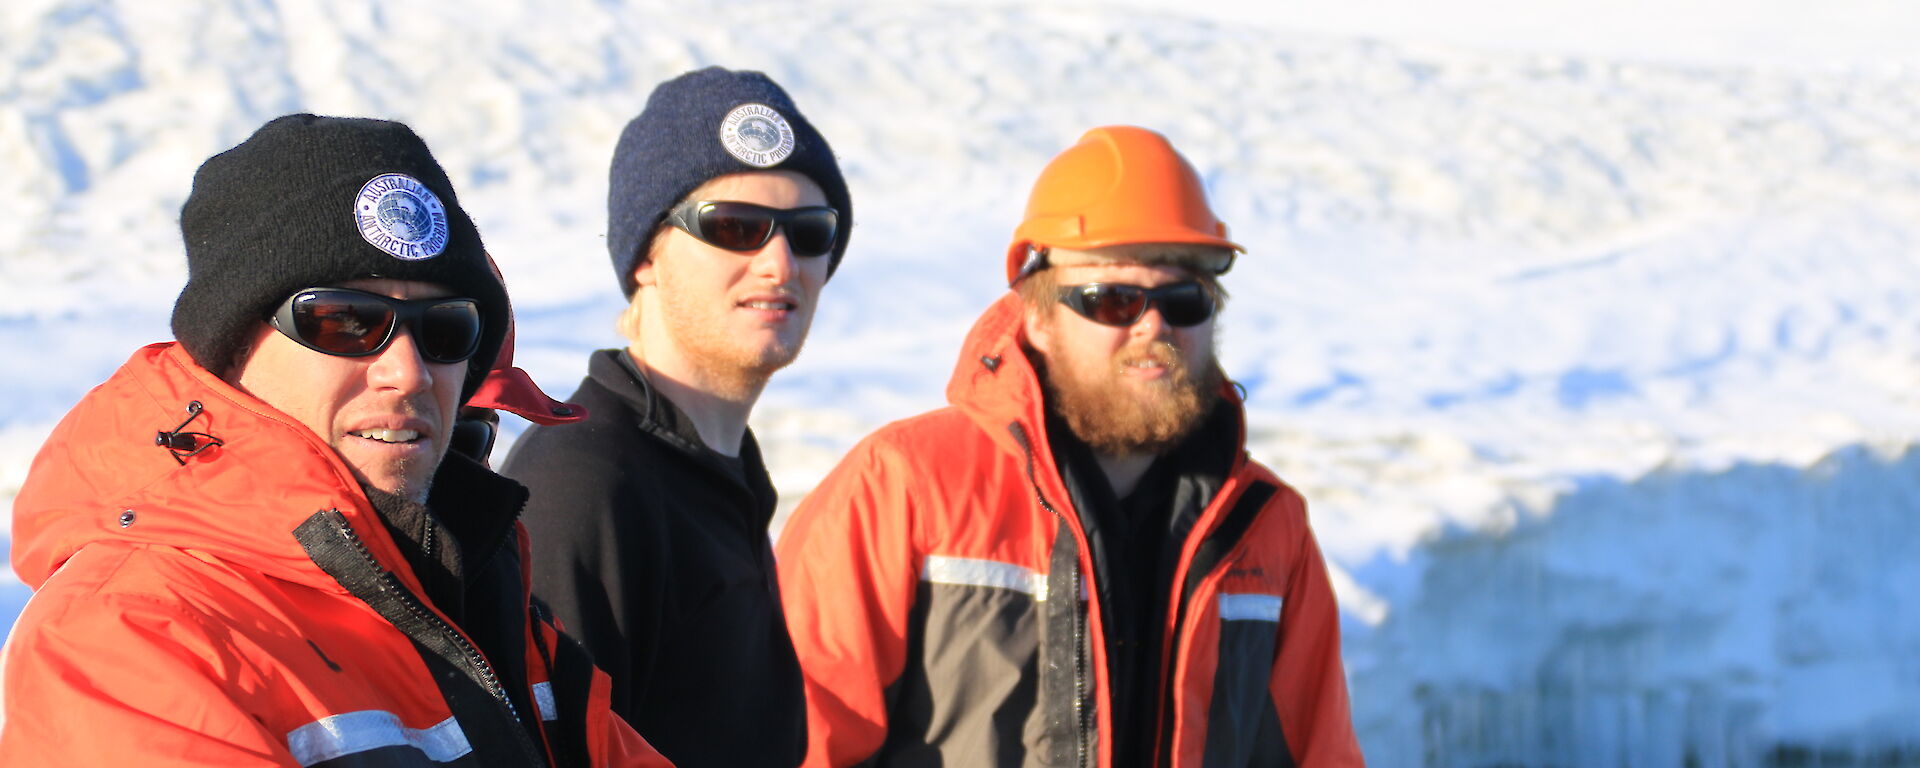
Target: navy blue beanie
(700,125)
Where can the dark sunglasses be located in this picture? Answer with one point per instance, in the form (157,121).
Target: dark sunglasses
(350,323)
(1119,304)
(747,227)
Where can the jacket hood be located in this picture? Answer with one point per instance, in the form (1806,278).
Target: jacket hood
(101,477)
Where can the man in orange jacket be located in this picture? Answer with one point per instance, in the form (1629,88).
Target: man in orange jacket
(1076,563)
(253,547)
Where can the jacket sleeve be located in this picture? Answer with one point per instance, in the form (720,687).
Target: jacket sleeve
(105,681)
(1309,685)
(848,569)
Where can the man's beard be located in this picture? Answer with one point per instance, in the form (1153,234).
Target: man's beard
(726,365)
(1114,417)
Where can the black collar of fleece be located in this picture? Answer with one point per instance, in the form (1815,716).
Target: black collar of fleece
(468,517)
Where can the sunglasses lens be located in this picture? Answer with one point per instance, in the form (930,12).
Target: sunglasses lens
(735,227)
(1119,304)
(352,324)
(342,323)
(1110,304)
(448,332)
(1186,304)
(747,227)
(810,231)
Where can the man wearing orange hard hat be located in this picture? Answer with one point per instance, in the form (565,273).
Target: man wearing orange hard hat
(1076,562)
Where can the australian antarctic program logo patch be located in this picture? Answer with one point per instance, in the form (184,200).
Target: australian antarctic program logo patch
(399,215)
(757,135)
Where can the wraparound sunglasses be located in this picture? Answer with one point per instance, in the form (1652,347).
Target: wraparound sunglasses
(736,226)
(350,323)
(1120,304)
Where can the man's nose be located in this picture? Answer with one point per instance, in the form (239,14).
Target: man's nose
(400,365)
(775,260)
(1150,325)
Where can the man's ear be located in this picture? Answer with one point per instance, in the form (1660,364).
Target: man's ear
(1038,329)
(643,274)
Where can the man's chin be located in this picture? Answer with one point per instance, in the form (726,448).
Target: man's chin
(405,480)
(745,369)
(414,490)
(778,352)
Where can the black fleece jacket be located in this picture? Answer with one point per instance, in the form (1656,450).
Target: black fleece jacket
(652,549)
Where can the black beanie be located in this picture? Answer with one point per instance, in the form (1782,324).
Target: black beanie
(703,124)
(313,201)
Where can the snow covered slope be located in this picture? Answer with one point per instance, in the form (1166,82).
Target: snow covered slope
(1599,374)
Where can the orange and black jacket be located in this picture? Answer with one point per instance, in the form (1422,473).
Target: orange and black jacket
(222,592)
(942,598)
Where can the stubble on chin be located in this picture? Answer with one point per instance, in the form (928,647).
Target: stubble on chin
(416,477)
(726,365)
(408,477)
(733,372)
(1117,417)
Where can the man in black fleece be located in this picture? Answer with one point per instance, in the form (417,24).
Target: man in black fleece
(727,213)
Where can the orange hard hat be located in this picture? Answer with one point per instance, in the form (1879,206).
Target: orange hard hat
(1120,184)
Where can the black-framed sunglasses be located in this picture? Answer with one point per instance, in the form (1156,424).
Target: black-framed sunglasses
(1120,304)
(350,323)
(743,227)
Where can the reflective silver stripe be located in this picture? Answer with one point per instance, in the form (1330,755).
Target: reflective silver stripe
(543,700)
(967,571)
(354,732)
(1250,607)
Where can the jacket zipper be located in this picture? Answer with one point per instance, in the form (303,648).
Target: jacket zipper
(1081,714)
(490,680)
(1164,718)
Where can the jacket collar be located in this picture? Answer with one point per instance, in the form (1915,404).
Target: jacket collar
(477,505)
(993,382)
(469,515)
(658,416)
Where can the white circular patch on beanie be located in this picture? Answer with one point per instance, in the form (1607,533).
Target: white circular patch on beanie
(757,135)
(399,215)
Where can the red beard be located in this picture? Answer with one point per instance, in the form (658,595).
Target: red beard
(1117,417)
